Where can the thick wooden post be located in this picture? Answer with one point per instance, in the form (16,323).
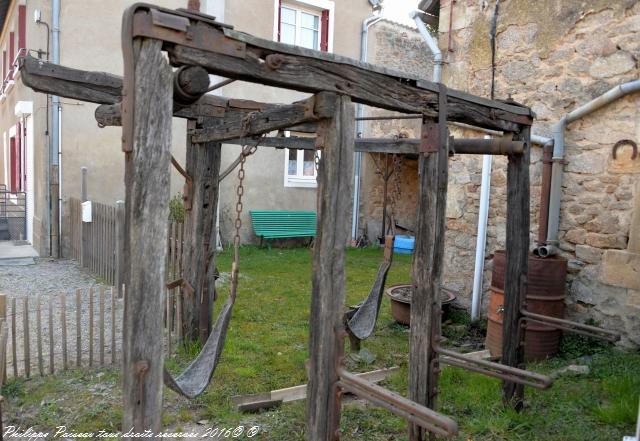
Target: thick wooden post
(335,181)
(517,257)
(203,166)
(427,264)
(147,170)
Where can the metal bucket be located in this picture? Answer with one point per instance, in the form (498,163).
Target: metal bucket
(401,303)
(545,295)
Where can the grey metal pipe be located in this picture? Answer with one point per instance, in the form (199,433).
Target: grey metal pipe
(608,97)
(54,158)
(357,163)
(432,43)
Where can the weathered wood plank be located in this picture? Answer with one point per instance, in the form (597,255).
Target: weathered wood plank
(101,324)
(364,86)
(335,184)
(26,340)
(91,326)
(14,352)
(427,271)
(199,255)
(242,124)
(147,166)
(402,146)
(517,257)
(113,325)
(78,328)
(52,351)
(63,326)
(39,334)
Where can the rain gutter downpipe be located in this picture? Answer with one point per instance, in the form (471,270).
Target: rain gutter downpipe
(432,43)
(551,247)
(364,38)
(55,130)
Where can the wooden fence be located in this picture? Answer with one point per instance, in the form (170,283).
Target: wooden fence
(99,245)
(55,332)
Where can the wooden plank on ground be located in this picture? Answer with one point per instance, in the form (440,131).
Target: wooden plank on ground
(254,402)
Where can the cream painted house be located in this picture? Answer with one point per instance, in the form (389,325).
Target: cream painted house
(85,34)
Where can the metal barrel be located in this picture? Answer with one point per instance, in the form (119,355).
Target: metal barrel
(545,295)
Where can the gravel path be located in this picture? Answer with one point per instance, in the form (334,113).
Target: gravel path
(49,279)
(47,276)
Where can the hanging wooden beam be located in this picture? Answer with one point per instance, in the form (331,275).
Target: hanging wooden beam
(146,166)
(427,265)
(515,278)
(335,182)
(401,146)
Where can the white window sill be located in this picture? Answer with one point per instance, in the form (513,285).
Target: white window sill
(300,183)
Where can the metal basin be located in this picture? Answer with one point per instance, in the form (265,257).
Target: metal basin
(400,296)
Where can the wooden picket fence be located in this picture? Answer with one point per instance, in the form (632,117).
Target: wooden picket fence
(50,333)
(99,245)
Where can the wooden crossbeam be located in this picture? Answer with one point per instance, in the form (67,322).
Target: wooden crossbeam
(202,42)
(401,146)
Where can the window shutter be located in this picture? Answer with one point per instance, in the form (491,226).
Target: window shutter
(15,164)
(324,31)
(12,54)
(22,27)
(279,12)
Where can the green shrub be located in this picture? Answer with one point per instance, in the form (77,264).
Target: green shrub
(176,209)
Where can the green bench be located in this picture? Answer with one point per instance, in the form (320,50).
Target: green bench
(269,224)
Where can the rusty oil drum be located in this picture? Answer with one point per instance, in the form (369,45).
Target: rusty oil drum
(545,295)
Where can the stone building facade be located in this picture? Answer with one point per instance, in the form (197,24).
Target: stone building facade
(552,57)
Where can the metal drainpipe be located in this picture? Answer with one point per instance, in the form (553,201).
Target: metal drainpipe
(55,126)
(366,24)
(432,43)
(481,238)
(608,97)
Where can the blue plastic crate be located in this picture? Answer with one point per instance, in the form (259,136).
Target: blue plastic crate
(404,244)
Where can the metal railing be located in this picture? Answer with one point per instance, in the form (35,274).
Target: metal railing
(13,215)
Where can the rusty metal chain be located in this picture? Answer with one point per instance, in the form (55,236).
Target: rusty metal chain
(238,221)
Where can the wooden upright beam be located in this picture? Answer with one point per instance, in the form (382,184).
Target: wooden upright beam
(147,169)
(428,261)
(335,185)
(203,166)
(515,278)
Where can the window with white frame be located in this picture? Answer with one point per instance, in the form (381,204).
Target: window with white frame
(300,167)
(309,24)
(299,27)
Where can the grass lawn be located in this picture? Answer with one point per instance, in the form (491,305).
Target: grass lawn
(267,346)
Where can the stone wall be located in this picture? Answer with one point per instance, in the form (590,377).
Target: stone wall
(400,48)
(554,57)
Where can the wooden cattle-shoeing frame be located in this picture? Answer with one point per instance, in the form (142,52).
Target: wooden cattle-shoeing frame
(146,112)
(199,42)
